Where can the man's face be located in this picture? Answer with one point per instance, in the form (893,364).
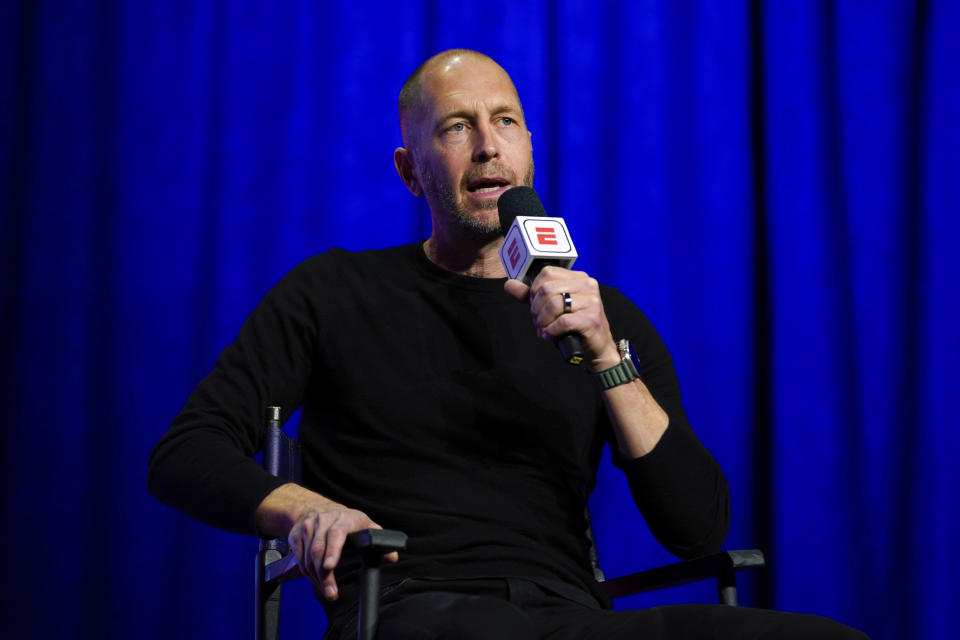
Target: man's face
(470,143)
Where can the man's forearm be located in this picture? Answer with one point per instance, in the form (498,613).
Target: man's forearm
(285,505)
(638,421)
(679,487)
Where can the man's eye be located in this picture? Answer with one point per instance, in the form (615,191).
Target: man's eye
(458,127)
(507,121)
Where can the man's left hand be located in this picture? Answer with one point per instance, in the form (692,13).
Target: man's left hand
(584,316)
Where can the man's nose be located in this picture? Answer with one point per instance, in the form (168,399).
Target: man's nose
(485,143)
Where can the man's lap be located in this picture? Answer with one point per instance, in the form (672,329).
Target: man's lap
(512,609)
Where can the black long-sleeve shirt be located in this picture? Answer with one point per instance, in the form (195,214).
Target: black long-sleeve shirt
(430,404)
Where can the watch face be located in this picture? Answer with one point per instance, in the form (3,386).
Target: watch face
(636,363)
(626,353)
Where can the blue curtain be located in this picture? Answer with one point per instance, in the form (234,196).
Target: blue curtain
(774,183)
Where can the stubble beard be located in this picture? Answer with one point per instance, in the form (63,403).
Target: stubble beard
(476,226)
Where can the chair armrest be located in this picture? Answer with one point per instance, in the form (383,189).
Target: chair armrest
(679,573)
(380,540)
(282,570)
(367,541)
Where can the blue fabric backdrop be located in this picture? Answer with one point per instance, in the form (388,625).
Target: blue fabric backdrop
(776,184)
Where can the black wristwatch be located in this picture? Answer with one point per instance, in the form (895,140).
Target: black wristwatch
(621,373)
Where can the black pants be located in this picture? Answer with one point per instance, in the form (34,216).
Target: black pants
(516,609)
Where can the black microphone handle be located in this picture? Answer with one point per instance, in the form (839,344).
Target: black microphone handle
(524,201)
(569,344)
(570,348)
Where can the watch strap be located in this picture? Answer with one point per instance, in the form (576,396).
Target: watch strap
(620,373)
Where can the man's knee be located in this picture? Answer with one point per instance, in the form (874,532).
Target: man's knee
(765,624)
(803,626)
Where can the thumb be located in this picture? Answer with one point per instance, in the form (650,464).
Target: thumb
(517,290)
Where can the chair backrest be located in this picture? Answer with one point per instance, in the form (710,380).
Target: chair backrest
(592,552)
(281,453)
(281,457)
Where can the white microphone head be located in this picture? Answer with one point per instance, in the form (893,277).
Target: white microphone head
(533,242)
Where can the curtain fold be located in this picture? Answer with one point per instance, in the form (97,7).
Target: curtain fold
(774,184)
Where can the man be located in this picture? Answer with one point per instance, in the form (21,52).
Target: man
(434,403)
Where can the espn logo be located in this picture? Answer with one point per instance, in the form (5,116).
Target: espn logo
(535,238)
(546,234)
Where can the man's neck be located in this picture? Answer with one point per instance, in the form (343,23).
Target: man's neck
(477,258)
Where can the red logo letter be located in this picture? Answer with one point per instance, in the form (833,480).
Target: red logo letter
(546,235)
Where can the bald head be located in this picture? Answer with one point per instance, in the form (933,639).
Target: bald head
(414,102)
(465,142)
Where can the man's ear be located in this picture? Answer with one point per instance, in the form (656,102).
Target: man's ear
(402,160)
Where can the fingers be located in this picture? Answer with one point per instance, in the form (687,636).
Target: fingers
(300,541)
(393,556)
(306,540)
(549,284)
(550,315)
(584,315)
(317,541)
(336,536)
(585,310)
(328,587)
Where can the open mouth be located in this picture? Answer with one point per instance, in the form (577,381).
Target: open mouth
(487,185)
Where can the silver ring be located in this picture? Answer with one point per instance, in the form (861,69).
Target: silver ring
(567,302)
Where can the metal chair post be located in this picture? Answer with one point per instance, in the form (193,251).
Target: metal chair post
(727,588)
(368,613)
(267,610)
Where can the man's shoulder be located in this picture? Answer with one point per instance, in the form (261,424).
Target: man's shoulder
(336,256)
(328,276)
(338,262)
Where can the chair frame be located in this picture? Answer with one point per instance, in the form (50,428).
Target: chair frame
(276,565)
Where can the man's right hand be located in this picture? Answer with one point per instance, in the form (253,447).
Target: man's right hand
(316,528)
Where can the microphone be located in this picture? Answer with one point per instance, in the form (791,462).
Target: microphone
(534,240)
